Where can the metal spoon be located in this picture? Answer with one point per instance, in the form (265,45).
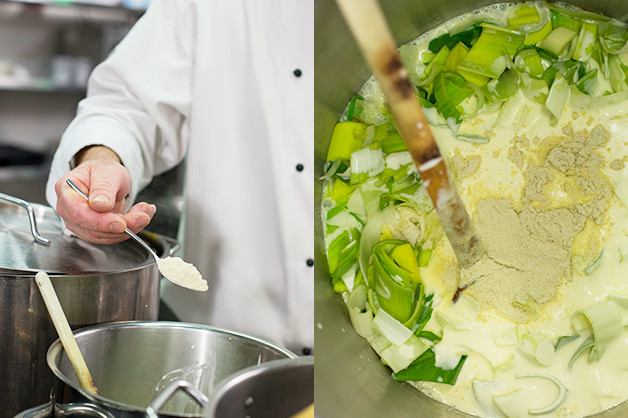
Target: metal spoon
(175,269)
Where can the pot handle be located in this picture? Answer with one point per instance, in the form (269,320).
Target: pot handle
(80,410)
(163,396)
(31,216)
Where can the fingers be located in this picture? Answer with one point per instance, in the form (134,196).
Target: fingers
(139,216)
(101,220)
(109,185)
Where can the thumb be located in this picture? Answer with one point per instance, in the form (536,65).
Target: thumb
(108,184)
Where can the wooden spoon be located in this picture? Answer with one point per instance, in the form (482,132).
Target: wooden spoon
(374,38)
(65,332)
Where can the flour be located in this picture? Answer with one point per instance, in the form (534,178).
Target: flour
(530,244)
(465,166)
(181,273)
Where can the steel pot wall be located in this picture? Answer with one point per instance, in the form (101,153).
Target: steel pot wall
(128,359)
(350,380)
(26,330)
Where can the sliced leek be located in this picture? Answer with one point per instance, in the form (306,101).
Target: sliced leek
(424,369)
(595,264)
(557,40)
(557,97)
(492,53)
(390,328)
(346,138)
(603,319)
(560,397)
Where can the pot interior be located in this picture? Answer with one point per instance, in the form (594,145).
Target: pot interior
(132,361)
(349,368)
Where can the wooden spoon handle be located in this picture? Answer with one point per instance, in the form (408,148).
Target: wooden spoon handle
(374,38)
(65,332)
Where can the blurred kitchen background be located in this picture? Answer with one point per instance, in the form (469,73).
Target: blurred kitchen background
(47,51)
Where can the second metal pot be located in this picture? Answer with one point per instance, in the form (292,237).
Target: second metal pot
(131,362)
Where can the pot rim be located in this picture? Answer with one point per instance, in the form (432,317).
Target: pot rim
(56,348)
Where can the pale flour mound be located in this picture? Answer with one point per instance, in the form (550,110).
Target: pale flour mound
(530,247)
(181,273)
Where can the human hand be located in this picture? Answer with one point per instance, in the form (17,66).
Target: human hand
(102,219)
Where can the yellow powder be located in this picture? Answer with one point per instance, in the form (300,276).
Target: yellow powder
(530,247)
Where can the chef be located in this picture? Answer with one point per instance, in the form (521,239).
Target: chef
(228,85)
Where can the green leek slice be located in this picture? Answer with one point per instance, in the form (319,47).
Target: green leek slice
(617,74)
(534,88)
(393,142)
(585,43)
(564,20)
(578,14)
(371,234)
(410,58)
(366,163)
(502,88)
(493,51)
(430,336)
(355,107)
(399,357)
(438,62)
(603,319)
(360,314)
(534,38)
(389,327)
(586,345)
(456,55)
(450,89)
(529,61)
(564,340)
(342,253)
(467,37)
(557,97)
(595,264)
(557,40)
(424,369)
(613,37)
(588,84)
(346,138)
(524,15)
(560,397)
(395,287)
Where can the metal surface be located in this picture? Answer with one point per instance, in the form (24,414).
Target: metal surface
(100,284)
(31,217)
(127,360)
(350,379)
(277,389)
(165,395)
(19,253)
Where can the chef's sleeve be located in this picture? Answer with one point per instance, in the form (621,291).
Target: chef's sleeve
(138,99)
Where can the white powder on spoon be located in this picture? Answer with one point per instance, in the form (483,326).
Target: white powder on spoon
(181,273)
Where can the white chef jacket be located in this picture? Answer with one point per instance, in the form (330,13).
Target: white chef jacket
(230,85)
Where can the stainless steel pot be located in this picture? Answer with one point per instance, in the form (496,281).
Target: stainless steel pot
(277,389)
(128,361)
(350,379)
(94,283)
